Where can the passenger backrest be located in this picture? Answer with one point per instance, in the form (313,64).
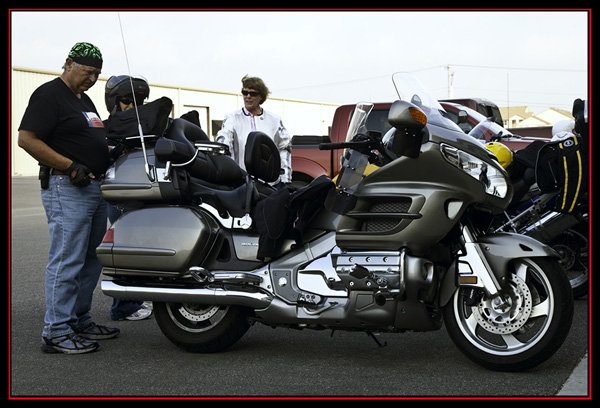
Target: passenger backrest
(262,157)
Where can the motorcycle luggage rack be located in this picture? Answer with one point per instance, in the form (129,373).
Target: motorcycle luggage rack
(212,148)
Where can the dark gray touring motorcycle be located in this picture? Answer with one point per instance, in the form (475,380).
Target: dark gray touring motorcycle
(217,249)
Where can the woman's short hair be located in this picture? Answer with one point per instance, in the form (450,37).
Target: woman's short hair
(258,85)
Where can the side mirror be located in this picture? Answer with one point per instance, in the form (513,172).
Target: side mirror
(408,121)
(404,114)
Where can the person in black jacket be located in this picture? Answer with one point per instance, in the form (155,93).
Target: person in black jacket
(121,93)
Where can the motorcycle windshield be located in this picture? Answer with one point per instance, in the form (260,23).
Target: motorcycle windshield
(490,127)
(358,123)
(410,89)
(353,163)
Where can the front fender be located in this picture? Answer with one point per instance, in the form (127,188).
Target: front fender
(500,248)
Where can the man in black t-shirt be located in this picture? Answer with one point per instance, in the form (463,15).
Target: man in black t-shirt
(62,129)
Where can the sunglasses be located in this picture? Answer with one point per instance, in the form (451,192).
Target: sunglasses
(251,93)
(129,101)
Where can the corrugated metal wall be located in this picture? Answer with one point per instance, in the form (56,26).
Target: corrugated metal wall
(299,117)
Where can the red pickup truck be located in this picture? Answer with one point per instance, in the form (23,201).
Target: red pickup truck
(308,162)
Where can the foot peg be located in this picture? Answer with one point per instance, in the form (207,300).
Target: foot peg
(202,275)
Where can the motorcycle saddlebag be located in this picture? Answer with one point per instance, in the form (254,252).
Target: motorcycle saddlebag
(161,240)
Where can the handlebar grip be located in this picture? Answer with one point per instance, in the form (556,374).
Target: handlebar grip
(330,146)
(341,145)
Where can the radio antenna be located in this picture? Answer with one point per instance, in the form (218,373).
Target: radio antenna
(141,132)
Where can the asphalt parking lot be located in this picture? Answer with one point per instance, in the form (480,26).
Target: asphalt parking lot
(266,362)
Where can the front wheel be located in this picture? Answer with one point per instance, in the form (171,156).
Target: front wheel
(201,328)
(522,327)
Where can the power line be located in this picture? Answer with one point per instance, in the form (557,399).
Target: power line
(515,68)
(334,83)
(446,66)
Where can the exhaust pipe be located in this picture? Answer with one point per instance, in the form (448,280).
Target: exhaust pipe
(206,296)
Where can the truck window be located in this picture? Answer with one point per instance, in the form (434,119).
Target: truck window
(378,121)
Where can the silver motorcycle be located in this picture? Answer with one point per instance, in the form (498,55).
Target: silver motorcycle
(401,248)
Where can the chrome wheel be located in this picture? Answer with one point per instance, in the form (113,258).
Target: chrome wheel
(522,326)
(513,321)
(196,318)
(201,328)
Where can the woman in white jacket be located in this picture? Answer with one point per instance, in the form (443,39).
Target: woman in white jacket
(252,117)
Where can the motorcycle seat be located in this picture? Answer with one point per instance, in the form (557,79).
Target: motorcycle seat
(177,147)
(229,201)
(216,178)
(263,166)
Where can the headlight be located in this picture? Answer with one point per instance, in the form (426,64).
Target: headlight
(493,178)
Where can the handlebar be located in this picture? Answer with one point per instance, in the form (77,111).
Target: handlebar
(344,145)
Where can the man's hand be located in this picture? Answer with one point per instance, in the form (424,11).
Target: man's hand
(79,174)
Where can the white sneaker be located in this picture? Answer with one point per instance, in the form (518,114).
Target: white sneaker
(147,305)
(141,314)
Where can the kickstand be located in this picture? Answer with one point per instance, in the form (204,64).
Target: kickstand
(371,335)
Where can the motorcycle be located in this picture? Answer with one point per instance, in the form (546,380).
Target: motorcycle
(549,213)
(400,249)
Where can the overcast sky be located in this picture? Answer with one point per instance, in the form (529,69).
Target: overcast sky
(533,58)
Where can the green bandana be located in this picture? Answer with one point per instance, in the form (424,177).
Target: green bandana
(86,54)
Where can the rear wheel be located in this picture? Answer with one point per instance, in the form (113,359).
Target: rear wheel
(201,328)
(522,327)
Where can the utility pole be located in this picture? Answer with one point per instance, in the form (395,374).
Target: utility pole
(507,102)
(450,79)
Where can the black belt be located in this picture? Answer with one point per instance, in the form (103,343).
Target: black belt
(56,172)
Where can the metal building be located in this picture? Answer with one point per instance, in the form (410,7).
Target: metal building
(299,117)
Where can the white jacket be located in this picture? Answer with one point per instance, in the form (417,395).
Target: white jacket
(237,126)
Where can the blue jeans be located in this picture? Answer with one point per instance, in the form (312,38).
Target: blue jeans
(121,308)
(77,223)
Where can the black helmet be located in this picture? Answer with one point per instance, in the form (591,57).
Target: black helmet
(119,86)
